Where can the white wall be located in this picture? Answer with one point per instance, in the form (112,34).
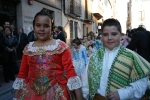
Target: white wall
(26,13)
(121,13)
(136,7)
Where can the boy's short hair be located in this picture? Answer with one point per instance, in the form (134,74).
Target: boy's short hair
(112,22)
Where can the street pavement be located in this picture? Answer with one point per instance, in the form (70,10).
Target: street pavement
(6,90)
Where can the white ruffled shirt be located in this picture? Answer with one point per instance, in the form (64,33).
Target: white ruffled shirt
(73,82)
(132,92)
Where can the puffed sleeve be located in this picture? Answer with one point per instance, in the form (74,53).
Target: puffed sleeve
(84,55)
(74,81)
(23,73)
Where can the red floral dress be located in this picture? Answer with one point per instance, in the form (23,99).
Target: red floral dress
(47,73)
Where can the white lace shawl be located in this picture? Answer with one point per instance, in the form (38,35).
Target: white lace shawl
(49,47)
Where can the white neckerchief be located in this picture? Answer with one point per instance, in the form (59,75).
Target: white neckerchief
(109,56)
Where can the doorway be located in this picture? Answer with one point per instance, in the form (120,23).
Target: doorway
(3,17)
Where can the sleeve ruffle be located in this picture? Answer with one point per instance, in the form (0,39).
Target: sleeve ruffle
(18,83)
(74,83)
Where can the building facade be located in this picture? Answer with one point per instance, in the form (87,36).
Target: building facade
(77,17)
(121,13)
(138,14)
(21,12)
(27,11)
(81,17)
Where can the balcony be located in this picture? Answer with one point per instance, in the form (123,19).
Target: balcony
(72,8)
(97,9)
(88,17)
(76,8)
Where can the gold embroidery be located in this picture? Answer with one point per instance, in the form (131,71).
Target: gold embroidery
(40,52)
(59,93)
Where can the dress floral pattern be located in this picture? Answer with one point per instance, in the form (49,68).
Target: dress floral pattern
(46,73)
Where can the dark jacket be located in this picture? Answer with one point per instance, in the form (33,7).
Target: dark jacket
(12,44)
(140,43)
(31,37)
(53,33)
(61,36)
(23,41)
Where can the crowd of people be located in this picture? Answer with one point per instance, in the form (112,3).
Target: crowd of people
(106,66)
(12,43)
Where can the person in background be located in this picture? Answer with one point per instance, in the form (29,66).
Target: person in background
(140,43)
(31,37)
(46,71)
(126,39)
(89,45)
(65,33)
(115,72)
(2,33)
(23,40)
(79,59)
(9,46)
(54,33)
(85,41)
(60,34)
(97,44)
(1,28)
(13,30)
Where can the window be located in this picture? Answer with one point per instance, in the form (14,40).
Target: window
(71,29)
(141,15)
(71,6)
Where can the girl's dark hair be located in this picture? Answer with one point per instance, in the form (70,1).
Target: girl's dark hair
(76,41)
(43,12)
(8,28)
(112,22)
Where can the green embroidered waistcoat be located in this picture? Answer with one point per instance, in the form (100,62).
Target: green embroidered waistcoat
(126,68)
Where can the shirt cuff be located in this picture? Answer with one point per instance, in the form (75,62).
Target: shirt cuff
(18,83)
(74,83)
(123,94)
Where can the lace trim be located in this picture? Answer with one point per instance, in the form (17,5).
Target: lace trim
(74,83)
(18,83)
(49,47)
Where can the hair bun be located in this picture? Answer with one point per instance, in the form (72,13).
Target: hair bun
(48,12)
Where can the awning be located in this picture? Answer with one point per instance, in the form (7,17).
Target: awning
(97,16)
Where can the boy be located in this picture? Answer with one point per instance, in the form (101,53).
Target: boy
(114,72)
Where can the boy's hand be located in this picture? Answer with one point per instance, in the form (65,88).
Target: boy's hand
(113,96)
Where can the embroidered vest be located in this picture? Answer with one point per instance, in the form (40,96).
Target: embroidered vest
(125,69)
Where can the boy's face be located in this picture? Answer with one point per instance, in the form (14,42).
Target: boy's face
(111,37)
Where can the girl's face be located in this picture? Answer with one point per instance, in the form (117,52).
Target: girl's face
(42,27)
(75,46)
(111,37)
(7,31)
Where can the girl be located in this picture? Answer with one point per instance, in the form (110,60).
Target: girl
(46,71)
(79,56)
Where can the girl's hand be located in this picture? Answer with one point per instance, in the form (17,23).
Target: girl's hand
(79,94)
